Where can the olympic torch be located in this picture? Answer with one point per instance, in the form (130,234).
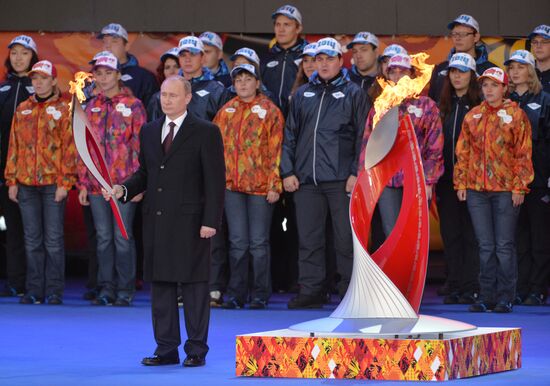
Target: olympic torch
(85,142)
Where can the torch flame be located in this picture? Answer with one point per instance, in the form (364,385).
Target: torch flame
(80,81)
(393,94)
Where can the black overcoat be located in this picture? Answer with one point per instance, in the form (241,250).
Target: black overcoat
(184,190)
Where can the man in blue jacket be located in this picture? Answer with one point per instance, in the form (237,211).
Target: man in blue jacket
(466,38)
(322,142)
(364,49)
(213,57)
(209,95)
(280,65)
(540,42)
(141,81)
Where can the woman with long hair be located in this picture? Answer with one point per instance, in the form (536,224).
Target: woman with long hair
(492,174)
(15,89)
(306,68)
(460,93)
(534,216)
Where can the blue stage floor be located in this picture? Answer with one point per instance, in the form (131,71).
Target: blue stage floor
(77,344)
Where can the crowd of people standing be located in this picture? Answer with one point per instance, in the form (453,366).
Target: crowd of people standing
(294,124)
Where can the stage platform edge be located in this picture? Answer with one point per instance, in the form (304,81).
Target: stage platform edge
(294,354)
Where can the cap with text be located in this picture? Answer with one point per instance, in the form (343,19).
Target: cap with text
(191,44)
(247,53)
(106,59)
(466,20)
(463,62)
(521,56)
(400,60)
(289,11)
(495,73)
(211,39)
(364,38)
(328,46)
(113,29)
(541,30)
(44,67)
(245,67)
(25,41)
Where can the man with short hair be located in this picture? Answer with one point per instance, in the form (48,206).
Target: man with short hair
(466,38)
(213,57)
(321,146)
(179,219)
(540,45)
(141,81)
(279,67)
(209,95)
(364,49)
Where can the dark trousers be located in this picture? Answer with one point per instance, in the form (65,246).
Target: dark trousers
(494,219)
(16,264)
(533,239)
(248,221)
(219,263)
(91,238)
(166,322)
(43,220)
(460,246)
(312,205)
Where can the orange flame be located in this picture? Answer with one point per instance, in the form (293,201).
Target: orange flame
(393,94)
(80,81)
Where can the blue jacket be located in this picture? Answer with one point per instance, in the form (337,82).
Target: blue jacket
(278,69)
(13,91)
(323,130)
(223,75)
(362,81)
(440,71)
(544,77)
(141,81)
(452,126)
(537,108)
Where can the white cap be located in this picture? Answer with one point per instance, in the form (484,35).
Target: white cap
(192,44)
(247,53)
(25,41)
(44,67)
(174,51)
(463,62)
(328,46)
(309,50)
(464,20)
(106,59)
(113,29)
(400,60)
(288,11)
(391,50)
(542,30)
(495,73)
(212,39)
(364,38)
(244,67)
(521,56)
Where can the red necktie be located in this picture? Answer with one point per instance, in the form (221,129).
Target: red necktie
(169,138)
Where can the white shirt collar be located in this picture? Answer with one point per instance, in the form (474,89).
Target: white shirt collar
(166,129)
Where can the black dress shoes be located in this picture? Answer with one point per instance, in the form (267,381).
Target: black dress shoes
(194,361)
(160,361)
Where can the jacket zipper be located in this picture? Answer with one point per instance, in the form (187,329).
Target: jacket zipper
(282,79)
(36,145)
(16,96)
(454,130)
(237,150)
(315,135)
(484,155)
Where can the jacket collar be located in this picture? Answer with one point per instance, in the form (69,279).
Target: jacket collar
(299,46)
(340,79)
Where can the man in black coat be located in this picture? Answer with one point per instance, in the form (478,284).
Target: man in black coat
(182,169)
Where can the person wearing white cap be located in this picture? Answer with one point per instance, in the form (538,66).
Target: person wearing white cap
(279,67)
(389,51)
(208,94)
(14,89)
(40,171)
(364,49)
(540,44)
(425,119)
(307,66)
(319,164)
(465,36)
(247,55)
(142,82)
(492,174)
(534,218)
(252,130)
(116,117)
(460,93)
(169,66)
(213,57)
